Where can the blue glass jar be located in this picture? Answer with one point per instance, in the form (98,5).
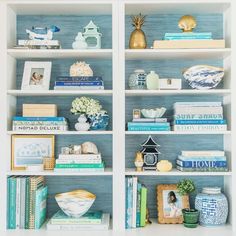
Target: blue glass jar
(137,80)
(213,207)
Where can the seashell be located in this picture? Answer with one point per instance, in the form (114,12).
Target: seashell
(75,203)
(153,113)
(164,166)
(187,23)
(203,76)
(80,69)
(89,148)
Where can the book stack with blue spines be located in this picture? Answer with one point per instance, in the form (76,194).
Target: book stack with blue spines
(199,116)
(136,203)
(188,36)
(149,124)
(26,205)
(39,124)
(79,83)
(79,163)
(202,161)
(96,220)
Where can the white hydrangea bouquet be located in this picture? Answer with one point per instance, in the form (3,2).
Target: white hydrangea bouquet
(92,109)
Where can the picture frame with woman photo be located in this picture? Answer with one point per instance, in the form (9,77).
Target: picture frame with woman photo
(170,204)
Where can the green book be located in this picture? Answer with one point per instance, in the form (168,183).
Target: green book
(143,207)
(89,218)
(12,203)
(99,165)
(40,206)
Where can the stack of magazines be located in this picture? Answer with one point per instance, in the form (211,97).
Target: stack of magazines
(79,83)
(90,221)
(39,124)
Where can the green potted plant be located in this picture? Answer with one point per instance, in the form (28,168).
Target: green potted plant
(190,215)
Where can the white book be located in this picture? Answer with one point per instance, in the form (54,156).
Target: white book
(40,127)
(18,194)
(78,87)
(103,226)
(30,42)
(79,170)
(134,209)
(80,156)
(22,202)
(197,104)
(208,153)
(198,110)
(80,161)
(199,127)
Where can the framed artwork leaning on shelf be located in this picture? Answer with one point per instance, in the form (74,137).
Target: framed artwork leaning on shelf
(170,204)
(36,75)
(28,150)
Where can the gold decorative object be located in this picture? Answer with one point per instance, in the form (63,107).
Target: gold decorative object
(137,38)
(48,163)
(139,161)
(148,221)
(187,23)
(164,166)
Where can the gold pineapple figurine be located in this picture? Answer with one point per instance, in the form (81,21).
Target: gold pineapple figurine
(137,38)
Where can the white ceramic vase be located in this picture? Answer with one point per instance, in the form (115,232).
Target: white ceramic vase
(82,124)
(80,42)
(152,81)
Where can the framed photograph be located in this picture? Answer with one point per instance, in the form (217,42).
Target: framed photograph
(170,204)
(36,75)
(30,150)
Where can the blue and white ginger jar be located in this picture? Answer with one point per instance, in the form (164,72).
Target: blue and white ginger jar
(213,207)
(99,121)
(203,76)
(137,80)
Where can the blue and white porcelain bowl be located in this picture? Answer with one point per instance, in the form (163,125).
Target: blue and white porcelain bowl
(203,76)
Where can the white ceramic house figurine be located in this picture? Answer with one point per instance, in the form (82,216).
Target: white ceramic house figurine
(91,32)
(80,42)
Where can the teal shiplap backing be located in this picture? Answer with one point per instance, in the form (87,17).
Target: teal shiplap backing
(69,27)
(155,26)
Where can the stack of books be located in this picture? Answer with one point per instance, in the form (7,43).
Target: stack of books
(136,203)
(199,116)
(39,124)
(202,161)
(38,44)
(90,221)
(80,163)
(149,124)
(26,205)
(79,83)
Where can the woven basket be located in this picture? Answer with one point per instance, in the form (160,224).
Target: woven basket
(48,163)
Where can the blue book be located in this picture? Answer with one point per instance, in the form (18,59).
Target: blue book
(130,202)
(138,205)
(146,124)
(204,34)
(201,164)
(12,203)
(199,122)
(79,78)
(20,118)
(143,128)
(187,38)
(95,83)
(198,117)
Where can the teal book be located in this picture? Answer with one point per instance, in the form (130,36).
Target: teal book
(8,202)
(99,165)
(138,205)
(93,217)
(12,203)
(40,206)
(27,200)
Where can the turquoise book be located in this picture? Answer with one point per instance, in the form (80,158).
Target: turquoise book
(138,205)
(40,206)
(93,217)
(12,203)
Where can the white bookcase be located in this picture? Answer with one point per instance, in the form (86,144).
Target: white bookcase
(120,56)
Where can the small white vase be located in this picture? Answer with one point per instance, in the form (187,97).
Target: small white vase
(82,124)
(152,81)
(80,42)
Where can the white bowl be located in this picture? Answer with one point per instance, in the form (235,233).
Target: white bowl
(75,203)
(153,113)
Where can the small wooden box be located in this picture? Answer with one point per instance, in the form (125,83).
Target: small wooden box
(170,84)
(39,110)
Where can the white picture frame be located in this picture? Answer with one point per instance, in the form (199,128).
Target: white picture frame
(36,75)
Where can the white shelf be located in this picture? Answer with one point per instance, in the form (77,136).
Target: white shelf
(177,132)
(108,171)
(62,132)
(19,93)
(158,54)
(191,92)
(174,172)
(60,53)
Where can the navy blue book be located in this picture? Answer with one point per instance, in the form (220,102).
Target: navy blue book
(199,122)
(94,83)
(201,164)
(79,78)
